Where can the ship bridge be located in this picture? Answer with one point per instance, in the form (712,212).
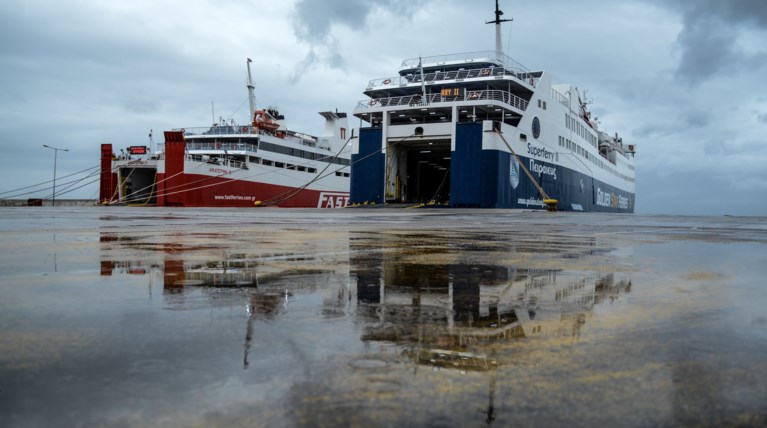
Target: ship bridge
(451,88)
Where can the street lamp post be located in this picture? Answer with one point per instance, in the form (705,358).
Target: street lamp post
(55,153)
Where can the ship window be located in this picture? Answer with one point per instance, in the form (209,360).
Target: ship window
(267,162)
(254,159)
(291,166)
(312,170)
(544,105)
(302,168)
(522,138)
(279,164)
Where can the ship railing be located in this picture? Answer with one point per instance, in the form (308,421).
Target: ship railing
(236,164)
(221,130)
(454,75)
(220,161)
(467,57)
(228,130)
(504,97)
(223,146)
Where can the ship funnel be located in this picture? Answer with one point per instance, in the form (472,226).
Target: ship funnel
(336,124)
(336,128)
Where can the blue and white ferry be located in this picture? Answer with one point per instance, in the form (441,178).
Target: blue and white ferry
(479,129)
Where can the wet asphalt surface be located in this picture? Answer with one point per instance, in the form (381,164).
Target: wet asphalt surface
(116,316)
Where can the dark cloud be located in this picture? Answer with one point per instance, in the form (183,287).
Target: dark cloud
(711,30)
(313,21)
(723,148)
(652,130)
(678,122)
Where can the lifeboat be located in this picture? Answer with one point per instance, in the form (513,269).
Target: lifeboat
(263,120)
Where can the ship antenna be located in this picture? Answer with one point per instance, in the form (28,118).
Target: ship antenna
(251,92)
(497,21)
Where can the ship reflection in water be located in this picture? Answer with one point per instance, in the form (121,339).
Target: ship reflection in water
(395,304)
(374,317)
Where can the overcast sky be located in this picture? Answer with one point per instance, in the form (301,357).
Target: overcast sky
(684,80)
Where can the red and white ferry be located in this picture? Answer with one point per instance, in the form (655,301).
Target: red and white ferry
(262,163)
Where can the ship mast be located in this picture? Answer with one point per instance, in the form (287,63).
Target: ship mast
(497,21)
(251,92)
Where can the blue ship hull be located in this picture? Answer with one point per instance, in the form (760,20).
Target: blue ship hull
(486,178)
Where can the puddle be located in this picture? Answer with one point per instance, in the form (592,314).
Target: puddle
(466,319)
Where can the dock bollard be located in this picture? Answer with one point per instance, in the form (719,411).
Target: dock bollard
(551,204)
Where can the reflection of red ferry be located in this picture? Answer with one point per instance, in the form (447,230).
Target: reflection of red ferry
(229,165)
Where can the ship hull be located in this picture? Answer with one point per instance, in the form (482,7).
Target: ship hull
(485,172)
(175,181)
(226,192)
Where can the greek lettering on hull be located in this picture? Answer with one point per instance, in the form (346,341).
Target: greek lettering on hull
(543,169)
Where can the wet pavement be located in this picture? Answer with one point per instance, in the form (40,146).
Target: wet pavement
(116,316)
